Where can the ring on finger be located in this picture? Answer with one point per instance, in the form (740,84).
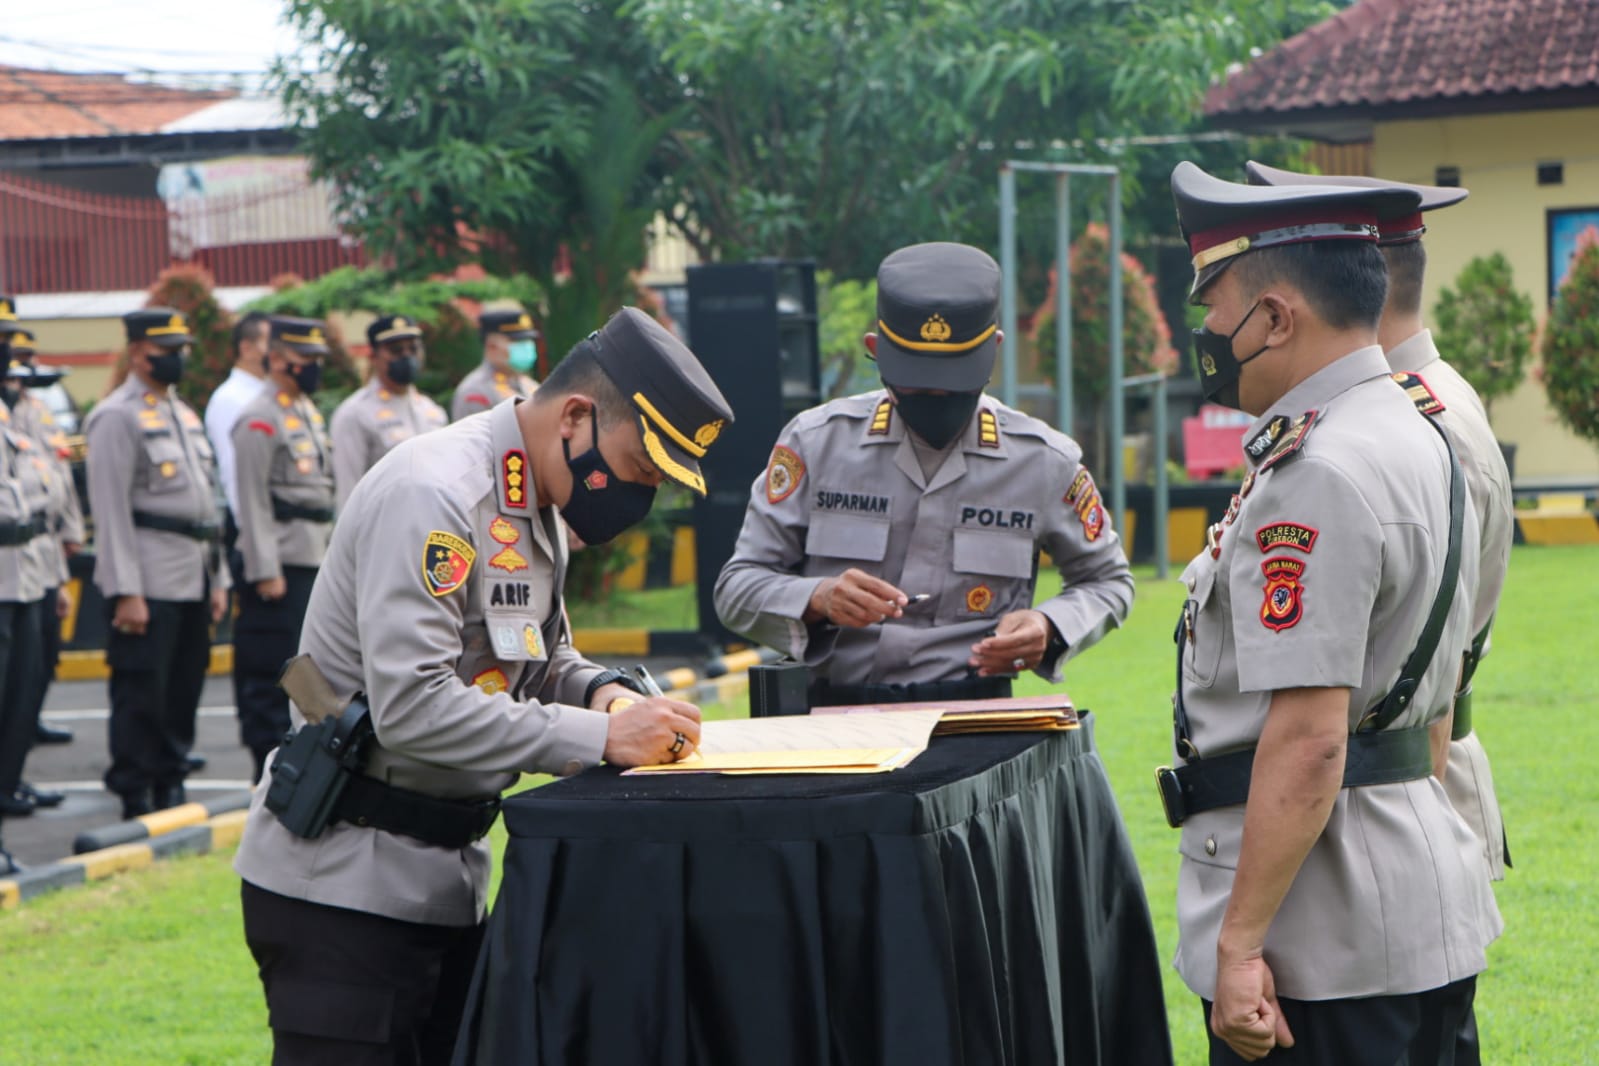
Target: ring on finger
(678,744)
(1020,664)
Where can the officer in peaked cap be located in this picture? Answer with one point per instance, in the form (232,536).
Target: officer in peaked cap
(440,598)
(1331,909)
(283,468)
(388,409)
(510,352)
(153,490)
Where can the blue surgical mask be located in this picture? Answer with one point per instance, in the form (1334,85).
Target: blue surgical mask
(524,356)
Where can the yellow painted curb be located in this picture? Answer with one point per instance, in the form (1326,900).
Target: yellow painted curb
(226,829)
(91,665)
(612,641)
(179,817)
(740,661)
(682,677)
(10,895)
(106,862)
(1558,528)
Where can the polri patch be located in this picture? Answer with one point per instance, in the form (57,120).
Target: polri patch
(979,599)
(1286,535)
(446,560)
(1284,604)
(513,469)
(783,474)
(1083,481)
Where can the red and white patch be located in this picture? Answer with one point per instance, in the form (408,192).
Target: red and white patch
(596,481)
(1284,603)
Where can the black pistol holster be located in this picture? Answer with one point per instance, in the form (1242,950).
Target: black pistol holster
(315,765)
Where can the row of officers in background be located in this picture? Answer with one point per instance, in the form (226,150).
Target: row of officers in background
(185,509)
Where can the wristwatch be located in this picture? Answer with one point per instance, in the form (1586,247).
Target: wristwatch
(610,677)
(1054,648)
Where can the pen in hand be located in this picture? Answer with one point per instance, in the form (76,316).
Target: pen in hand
(647,681)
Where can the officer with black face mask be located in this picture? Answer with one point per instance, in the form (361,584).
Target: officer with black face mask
(153,490)
(284,468)
(441,600)
(388,409)
(892,545)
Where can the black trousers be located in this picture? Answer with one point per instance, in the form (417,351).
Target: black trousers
(347,988)
(49,648)
(21,676)
(265,635)
(156,680)
(1421,1029)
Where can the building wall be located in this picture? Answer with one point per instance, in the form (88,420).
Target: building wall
(1498,157)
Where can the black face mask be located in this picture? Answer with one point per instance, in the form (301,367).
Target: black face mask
(167,368)
(1218,367)
(937,419)
(402,369)
(602,505)
(308,377)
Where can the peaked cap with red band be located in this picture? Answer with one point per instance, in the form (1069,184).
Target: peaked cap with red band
(1398,229)
(1222,220)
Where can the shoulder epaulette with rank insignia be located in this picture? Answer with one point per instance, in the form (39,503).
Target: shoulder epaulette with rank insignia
(1290,442)
(1426,401)
(880,417)
(987,429)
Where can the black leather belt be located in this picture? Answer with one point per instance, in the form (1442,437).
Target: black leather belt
(443,823)
(201,531)
(1461,728)
(827,694)
(1377,758)
(14,533)
(284,511)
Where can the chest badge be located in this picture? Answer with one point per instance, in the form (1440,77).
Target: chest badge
(507,558)
(446,560)
(491,681)
(979,599)
(533,640)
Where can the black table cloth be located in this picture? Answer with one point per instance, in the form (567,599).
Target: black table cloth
(979,906)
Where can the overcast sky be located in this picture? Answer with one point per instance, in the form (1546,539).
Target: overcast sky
(127,35)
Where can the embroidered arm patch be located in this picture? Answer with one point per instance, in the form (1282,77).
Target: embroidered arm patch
(783,474)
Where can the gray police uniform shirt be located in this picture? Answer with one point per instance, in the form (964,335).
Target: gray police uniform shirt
(281,451)
(24,497)
(65,512)
(441,599)
(370,422)
(147,451)
(844,489)
(1470,782)
(484,387)
(1322,574)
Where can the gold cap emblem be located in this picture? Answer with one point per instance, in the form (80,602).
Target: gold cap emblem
(935,329)
(706,435)
(1208,365)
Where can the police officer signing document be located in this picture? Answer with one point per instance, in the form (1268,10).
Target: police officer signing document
(892,544)
(1332,906)
(440,600)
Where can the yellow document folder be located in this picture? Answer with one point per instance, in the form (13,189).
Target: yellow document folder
(846,744)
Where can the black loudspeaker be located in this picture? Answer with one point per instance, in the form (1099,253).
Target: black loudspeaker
(754,328)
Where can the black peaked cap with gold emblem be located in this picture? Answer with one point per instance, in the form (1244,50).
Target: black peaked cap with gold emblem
(1222,220)
(304,336)
(681,411)
(1396,229)
(162,325)
(937,324)
(8,315)
(392,328)
(514,324)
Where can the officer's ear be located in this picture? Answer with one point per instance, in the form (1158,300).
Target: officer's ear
(1279,311)
(870,340)
(576,410)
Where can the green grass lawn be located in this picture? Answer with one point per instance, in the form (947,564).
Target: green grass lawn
(668,608)
(152,968)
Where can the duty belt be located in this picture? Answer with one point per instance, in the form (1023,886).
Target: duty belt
(14,533)
(827,694)
(443,823)
(1376,755)
(284,511)
(206,532)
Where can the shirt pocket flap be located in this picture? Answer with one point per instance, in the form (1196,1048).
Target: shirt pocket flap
(998,554)
(847,536)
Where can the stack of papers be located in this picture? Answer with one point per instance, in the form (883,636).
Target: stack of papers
(860,744)
(1016,714)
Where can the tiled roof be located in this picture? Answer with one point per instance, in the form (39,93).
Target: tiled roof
(41,104)
(1395,57)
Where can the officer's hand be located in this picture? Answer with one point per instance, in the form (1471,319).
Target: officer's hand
(219,604)
(63,603)
(1018,644)
(644,733)
(132,616)
(855,599)
(273,588)
(1246,1014)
